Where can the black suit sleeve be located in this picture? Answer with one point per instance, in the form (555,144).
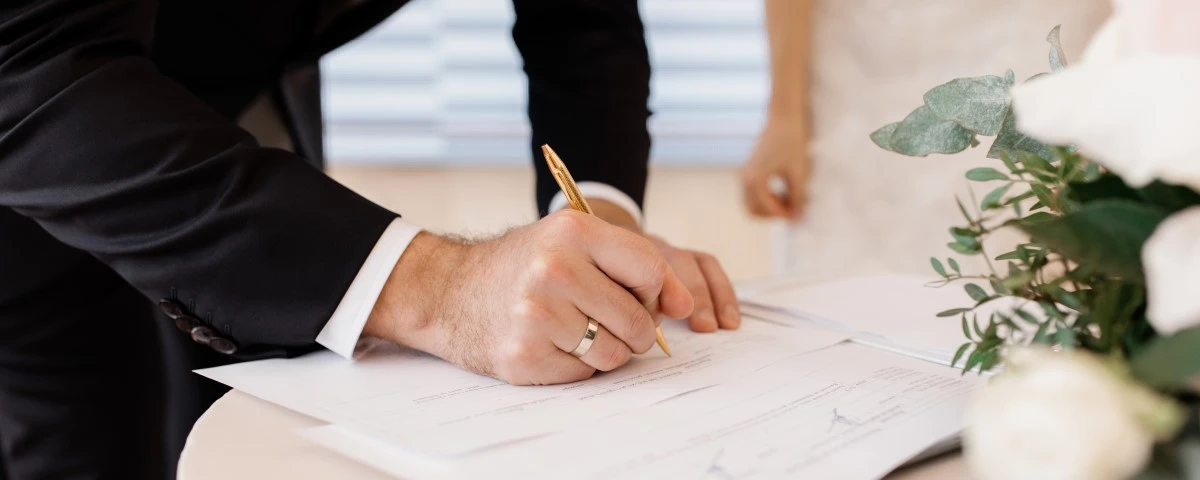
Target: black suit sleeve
(589,84)
(113,158)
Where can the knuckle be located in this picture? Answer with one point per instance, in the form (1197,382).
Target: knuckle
(530,312)
(614,358)
(549,267)
(517,357)
(568,222)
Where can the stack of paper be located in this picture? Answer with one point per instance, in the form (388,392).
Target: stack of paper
(776,398)
(897,313)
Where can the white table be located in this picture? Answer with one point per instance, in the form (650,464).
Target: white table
(244,438)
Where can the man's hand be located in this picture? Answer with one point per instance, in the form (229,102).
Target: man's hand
(716,304)
(715,301)
(513,306)
(782,151)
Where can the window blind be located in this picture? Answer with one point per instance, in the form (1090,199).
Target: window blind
(439,83)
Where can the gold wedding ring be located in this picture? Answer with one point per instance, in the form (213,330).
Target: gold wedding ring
(589,337)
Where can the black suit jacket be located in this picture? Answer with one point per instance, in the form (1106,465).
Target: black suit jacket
(118,142)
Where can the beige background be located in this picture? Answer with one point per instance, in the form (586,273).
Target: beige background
(699,208)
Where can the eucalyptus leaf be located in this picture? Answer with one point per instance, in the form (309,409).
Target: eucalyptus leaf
(973,360)
(984,174)
(922,133)
(966,237)
(1172,198)
(1043,193)
(976,103)
(954,265)
(958,354)
(883,136)
(1106,187)
(1014,141)
(1058,59)
(963,249)
(1106,235)
(937,267)
(1013,255)
(992,199)
(975,292)
(952,312)
(1028,317)
(1169,362)
(966,330)
(1065,337)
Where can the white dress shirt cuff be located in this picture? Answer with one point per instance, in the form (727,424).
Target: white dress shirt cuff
(601,191)
(344,328)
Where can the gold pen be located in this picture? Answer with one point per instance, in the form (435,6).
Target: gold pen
(575,198)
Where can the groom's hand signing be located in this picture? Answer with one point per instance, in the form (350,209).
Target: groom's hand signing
(513,306)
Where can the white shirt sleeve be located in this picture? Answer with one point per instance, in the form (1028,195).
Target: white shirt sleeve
(601,191)
(343,330)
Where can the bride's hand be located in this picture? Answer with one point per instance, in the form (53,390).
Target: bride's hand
(782,151)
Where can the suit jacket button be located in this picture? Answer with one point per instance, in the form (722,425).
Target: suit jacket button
(223,345)
(203,335)
(185,323)
(170,308)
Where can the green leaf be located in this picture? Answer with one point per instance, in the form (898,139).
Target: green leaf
(1172,198)
(937,267)
(975,292)
(1040,335)
(958,354)
(990,359)
(1028,317)
(1106,235)
(963,249)
(1069,299)
(984,174)
(1052,310)
(1169,362)
(998,286)
(976,103)
(1058,59)
(952,312)
(975,324)
(1065,337)
(1019,198)
(1008,162)
(972,360)
(954,265)
(922,132)
(966,329)
(963,209)
(1018,280)
(965,236)
(1043,193)
(1013,141)
(1105,187)
(1039,217)
(1013,255)
(883,136)
(992,199)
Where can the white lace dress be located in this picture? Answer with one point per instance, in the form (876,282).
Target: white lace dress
(871,210)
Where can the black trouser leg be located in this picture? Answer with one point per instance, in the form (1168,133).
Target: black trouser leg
(81,381)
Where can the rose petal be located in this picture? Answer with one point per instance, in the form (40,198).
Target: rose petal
(1171,259)
(1135,116)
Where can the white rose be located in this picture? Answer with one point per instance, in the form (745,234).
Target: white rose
(1055,416)
(1171,259)
(1131,102)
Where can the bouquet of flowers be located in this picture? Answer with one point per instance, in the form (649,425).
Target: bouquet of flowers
(1097,355)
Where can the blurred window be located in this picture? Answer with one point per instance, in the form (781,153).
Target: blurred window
(440,84)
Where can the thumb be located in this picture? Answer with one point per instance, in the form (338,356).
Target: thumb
(675,300)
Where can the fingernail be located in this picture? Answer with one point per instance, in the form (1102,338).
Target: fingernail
(733,316)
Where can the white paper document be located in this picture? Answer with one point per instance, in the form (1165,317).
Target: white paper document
(422,404)
(890,312)
(846,412)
